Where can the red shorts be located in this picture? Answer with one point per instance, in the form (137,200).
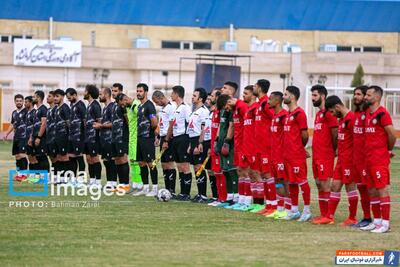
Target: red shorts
(296,171)
(216,163)
(278,170)
(323,169)
(344,172)
(378,176)
(263,164)
(360,174)
(237,154)
(247,161)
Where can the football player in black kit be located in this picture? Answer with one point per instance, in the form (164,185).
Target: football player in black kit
(51,130)
(105,127)
(30,116)
(146,130)
(92,136)
(77,122)
(18,118)
(61,138)
(38,139)
(120,137)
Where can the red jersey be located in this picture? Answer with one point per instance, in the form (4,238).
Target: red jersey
(345,138)
(264,115)
(214,128)
(277,124)
(322,147)
(249,142)
(376,139)
(238,117)
(295,122)
(359,137)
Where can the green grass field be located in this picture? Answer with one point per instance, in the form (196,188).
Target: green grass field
(139,231)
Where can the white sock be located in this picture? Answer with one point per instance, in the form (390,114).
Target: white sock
(306,209)
(247,200)
(114,183)
(92,181)
(281,208)
(98,181)
(155,187)
(378,221)
(241,199)
(235,197)
(145,187)
(385,223)
(229,197)
(295,209)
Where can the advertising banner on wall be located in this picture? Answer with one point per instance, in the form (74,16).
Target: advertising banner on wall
(43,53)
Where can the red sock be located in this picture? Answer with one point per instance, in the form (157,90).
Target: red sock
(288,203)
(247,187)
(260,190)
(365,202)
(265,185)
(221,186)
(253,187)
(306,192)
(323,199)
(241,186)
(376,207)
(385,208)
(272,192)
(281,201)
(352,197)
(334,200)
(294,194)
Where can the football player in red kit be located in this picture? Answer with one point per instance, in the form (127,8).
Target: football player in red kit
(380,139)
(295,138)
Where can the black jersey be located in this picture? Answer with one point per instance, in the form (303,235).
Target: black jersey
(107,116)
(61,120)
(146,112)
(41,112)
(51,125)
(18,120)
(120,131)
(93,114)
(76,122)
(30,121)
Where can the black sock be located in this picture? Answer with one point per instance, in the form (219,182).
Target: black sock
(166,174)
(44,164)
(123,173)
(154,176)
(111,172)
(21,164)
(234,176)
(201,182)
(144,173)
(73,164)
(182,184)
(91,171)
(213,185)
(33,166)
(172,180)
(187,182)
(97,170)
(81,163)
(56,167)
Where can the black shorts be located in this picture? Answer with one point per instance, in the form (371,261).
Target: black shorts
(145,149)
(40,150)
(168,155)
(76,148)
(120,149)
(29,150)
(179,146)
(106,151)
(18,147)
(62,147)
(92,149)
(206,147)
(51,149)
(199,158)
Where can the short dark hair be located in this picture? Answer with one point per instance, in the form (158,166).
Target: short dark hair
(119,86)
(377,89)
(250,88)
(18,96)
(107,90)
(157,94)
(320,88)
(40,94)
(362,88)
(92,90)
(222,100)
(232,84)
(218,91)
(264,84)
(278,95)
(294,91)
(202,94)
(332,100)
(179,90)
(144,86)
(29,98)
(119,97)
(71,91)
(52,93)
(59,92)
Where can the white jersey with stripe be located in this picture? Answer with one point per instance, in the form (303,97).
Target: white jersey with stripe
(197,119)
(166,116)
(180,119)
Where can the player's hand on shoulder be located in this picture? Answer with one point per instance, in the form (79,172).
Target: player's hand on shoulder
(97,125)
(157,142)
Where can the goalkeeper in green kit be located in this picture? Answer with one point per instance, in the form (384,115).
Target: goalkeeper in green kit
(131,111)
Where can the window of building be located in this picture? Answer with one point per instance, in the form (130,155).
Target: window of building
(376,49)
(202,45)
(171,44)
(5,39)
(44,86)
(342,48)
(186,45)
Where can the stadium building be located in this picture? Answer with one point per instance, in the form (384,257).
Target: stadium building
(159,42)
